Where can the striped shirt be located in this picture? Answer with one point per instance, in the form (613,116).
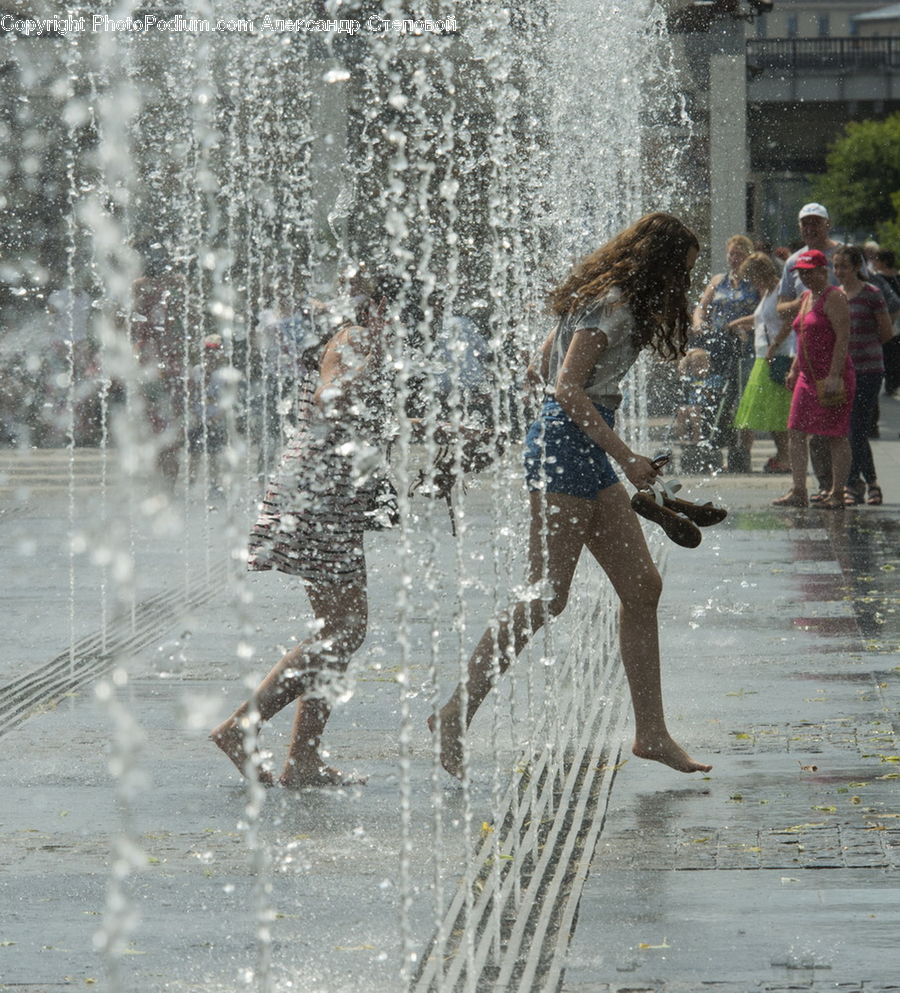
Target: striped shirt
(865,339)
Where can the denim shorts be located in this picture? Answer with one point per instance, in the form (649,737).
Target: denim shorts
(560,458)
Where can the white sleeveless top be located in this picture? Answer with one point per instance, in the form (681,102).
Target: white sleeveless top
(611,315)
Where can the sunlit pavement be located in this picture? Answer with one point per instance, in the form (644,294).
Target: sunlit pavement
(777,871)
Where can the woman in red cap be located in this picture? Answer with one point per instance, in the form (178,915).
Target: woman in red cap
(822,379)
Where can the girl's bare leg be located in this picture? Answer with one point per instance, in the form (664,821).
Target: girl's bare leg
(841,459)
(342,612)
(567,521)
(782,450)
(798,443)
(617,543)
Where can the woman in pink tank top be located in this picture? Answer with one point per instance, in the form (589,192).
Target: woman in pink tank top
(823,335)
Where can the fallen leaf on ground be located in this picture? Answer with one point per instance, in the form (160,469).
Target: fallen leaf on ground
(645,947)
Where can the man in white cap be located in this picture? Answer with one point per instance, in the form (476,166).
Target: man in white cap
(815,229)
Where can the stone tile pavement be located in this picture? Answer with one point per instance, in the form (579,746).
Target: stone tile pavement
(778,871)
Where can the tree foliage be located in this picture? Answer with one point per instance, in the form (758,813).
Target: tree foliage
(863,177)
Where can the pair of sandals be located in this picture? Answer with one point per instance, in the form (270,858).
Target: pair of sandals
(856,495)
(680,519)
(823,500)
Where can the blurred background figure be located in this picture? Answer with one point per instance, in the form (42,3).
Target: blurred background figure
(699,401)
(727,297)
(815,235)
(766,402)
(870,328)
(158,337)
(886,267)
(207,430)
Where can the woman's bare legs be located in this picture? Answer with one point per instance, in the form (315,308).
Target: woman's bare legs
(782,447)
(617,543)
(342,613)
(567,522)
(841,459)
(610,530)
(798,444)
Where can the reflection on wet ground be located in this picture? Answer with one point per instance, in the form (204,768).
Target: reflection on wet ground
(774,872)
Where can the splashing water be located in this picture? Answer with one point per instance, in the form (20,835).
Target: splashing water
(220,190)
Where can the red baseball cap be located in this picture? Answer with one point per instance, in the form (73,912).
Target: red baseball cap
(811,259)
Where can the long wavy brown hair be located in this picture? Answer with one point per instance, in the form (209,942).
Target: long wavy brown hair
(648,263)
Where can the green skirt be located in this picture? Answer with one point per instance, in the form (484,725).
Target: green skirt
(764,405)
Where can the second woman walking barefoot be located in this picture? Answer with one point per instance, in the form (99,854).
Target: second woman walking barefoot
(311,525)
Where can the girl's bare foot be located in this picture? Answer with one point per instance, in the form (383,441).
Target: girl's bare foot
(231,738)
(668,752)
(299,775)
(451,741)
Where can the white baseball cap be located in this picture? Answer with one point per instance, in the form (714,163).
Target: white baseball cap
(813,210)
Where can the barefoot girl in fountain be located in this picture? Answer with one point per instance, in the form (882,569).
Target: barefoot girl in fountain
(311,525)
(630,293)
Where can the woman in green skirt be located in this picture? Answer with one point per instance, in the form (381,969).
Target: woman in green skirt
(765,402)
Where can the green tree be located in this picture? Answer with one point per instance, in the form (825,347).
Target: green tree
(863,177)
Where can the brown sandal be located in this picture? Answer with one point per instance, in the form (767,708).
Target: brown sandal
(792,499)
(854,495)
(876,497)
(682,531)
(704,515)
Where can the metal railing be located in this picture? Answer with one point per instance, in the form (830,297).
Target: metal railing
(844,54)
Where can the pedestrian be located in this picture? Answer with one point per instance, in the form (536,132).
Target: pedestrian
(870,329)
(207,429)
(325,494)
(727,297)
(158,337)
(766,402)
(628,294)
(697,395)
(886,267)
(822,380)
(815,234)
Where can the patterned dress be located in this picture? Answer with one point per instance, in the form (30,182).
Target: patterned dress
(312,517)
(815,345)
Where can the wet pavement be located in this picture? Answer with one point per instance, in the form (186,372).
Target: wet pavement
(779,870)
(122,827)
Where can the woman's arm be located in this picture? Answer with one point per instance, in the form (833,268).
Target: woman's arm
(701,311)
(538,370)
(585,349)
(784,332)
(837,310)
(885,328)
(789,308)
(741,325)
(348,360)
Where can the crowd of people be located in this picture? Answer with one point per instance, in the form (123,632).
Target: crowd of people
(797,348)
(772,343)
